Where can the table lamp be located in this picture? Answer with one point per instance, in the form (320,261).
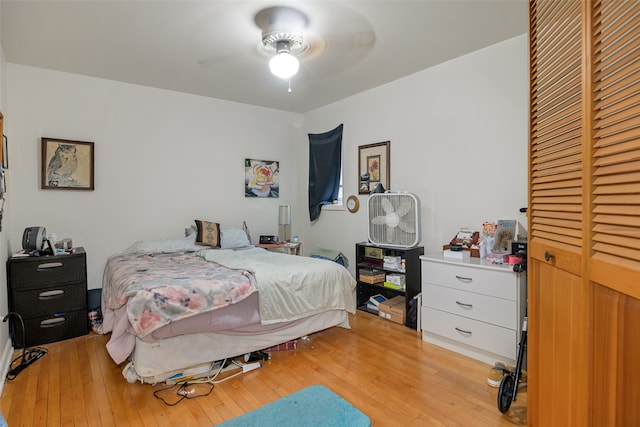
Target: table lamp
(284,221)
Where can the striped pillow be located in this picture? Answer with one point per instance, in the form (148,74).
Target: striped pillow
(208,233)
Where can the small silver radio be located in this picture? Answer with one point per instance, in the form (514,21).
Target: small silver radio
(33,238)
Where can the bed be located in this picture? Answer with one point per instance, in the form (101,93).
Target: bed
(176,304)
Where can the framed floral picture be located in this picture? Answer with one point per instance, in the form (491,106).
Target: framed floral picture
(373,166)
(261,178)
(66,164)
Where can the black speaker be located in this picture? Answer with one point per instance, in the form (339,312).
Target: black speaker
(266,240)
(518,248)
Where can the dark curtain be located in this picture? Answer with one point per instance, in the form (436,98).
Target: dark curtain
(325,158)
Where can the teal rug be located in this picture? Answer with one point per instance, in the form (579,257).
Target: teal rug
(314,406)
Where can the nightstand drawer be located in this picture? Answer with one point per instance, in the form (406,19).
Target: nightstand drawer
(494,282)
(39,302)
(477,334)
(36,272)
(50,328)
(485,308)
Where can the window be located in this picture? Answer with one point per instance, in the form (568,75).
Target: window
(325,171)
(338,204)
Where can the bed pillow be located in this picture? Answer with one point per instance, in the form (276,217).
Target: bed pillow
(208,233)
(176,244)
(233,238)
(230,238)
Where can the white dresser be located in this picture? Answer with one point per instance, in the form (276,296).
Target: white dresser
(473,307)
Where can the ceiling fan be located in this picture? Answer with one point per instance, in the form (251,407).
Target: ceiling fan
(293,42)
(283,37)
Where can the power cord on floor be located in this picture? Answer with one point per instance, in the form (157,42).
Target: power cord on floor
(183,390)
(29,355)
(198,387)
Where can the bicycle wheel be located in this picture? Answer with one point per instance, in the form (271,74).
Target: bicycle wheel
(505,393)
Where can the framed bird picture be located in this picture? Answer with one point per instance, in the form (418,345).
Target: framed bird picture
(66,164)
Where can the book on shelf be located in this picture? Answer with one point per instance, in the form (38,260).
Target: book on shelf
(377,299)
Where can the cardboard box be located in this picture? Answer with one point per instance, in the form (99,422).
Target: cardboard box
(393,309)
(371,276)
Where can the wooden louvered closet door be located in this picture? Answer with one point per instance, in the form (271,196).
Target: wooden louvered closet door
(584,216)
(559,300)
(614,264)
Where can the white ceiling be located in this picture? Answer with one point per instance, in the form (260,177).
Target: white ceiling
(210,48)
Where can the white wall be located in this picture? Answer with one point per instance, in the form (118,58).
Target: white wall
(162,159)
(6,350)
(458,135)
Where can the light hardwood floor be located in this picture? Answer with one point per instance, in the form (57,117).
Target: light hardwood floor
(383,369)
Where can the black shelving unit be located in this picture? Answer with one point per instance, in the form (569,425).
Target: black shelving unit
(371,257)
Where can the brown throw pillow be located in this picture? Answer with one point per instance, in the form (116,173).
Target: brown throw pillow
(208,233)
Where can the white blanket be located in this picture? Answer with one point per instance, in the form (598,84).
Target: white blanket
(291,287)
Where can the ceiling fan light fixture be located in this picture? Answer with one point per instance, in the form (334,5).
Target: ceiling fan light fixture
(284,65)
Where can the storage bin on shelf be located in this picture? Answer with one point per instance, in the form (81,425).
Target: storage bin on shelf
(371,276)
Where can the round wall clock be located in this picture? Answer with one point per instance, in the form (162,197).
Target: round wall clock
(353,204)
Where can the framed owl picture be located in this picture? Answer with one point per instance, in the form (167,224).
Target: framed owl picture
(66,164)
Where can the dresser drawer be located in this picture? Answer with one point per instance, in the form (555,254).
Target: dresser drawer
(36,272)
(493,282)
(49,300)
(46,329)
(485,308)
(474,333)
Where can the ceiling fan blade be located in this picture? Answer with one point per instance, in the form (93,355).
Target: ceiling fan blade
(217,43)
(333,39)
(355,40)
(328,55)
(281,18)
(216,61)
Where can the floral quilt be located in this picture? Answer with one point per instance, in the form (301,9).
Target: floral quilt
(161,288)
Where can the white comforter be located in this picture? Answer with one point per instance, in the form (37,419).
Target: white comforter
(291,287)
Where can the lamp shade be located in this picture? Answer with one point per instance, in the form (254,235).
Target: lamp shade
(284,65)
(284,215)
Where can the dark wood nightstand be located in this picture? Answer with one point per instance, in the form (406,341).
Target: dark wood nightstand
(50,294)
